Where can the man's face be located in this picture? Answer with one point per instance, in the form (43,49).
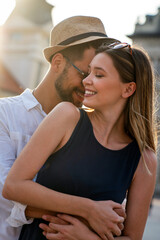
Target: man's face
(69,84)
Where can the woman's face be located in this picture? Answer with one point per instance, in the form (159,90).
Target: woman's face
(103,86)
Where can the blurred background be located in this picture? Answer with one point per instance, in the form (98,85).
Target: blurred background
(24,32)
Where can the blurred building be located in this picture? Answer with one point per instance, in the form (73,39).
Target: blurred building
(147,35)
(22,38)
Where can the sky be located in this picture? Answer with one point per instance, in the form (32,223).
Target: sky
(118,16)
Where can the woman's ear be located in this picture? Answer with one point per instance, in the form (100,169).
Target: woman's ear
(129,89)
(58,62)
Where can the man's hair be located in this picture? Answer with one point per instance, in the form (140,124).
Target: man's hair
(76,52)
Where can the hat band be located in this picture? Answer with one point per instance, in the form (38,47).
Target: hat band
(81,36)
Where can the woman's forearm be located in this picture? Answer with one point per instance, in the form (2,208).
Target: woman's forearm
(100,215)
(36,195)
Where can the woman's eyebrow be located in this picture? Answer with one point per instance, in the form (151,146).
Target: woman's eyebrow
(97,68)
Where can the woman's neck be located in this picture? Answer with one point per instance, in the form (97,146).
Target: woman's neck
(108,128)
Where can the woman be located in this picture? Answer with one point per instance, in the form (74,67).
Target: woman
(98,155)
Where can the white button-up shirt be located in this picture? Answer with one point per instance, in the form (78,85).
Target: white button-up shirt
(19,117)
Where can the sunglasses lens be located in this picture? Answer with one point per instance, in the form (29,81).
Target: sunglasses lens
(121,45)
(112,45)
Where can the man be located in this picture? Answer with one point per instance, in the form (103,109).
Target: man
(73,44)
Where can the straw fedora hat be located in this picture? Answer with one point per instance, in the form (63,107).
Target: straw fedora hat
(73,31)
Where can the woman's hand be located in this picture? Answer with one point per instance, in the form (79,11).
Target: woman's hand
(104,220)
(65,227)
(76,229)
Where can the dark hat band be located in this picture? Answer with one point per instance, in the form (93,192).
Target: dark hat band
(81,36)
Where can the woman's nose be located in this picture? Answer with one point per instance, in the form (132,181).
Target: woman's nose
(87,80)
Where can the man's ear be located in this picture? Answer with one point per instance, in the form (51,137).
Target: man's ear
(58,62)
(129,89)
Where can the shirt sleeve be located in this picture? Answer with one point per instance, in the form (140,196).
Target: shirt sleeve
(7,151)
(17,217)
(7,158)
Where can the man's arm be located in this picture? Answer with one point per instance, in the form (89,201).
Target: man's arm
(68,227)
(7,158)
(78,231)
(32,212)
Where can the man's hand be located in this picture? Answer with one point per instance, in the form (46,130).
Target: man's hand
(68,228)
(51,219)
(104,220)
(121,212)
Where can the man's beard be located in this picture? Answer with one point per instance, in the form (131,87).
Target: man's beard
(64,94)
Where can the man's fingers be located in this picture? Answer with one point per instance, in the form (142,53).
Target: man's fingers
(120,212)
(52,236)
(104,237)
(67,218)
(121,226)
(54,219)
(56,227)
(48,218)
(110,236)
(120,219)
(107,236)
(116,218)
(115,205)
(117,230)
(46,228)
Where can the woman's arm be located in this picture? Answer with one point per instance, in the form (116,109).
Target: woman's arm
(51,135)
(139,198)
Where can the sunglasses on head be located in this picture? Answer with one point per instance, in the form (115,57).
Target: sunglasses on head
(118,45)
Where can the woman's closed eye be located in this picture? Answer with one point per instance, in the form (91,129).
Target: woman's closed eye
(99,75)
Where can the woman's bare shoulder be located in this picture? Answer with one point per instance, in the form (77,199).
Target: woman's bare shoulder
(67,108)
(65,111)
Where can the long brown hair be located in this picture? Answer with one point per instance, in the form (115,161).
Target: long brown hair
(134,65)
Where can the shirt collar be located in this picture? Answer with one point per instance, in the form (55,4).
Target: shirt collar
(30,101)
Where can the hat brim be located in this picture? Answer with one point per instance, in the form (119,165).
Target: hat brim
(49,51)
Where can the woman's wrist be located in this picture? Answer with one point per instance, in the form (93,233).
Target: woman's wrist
(86,208)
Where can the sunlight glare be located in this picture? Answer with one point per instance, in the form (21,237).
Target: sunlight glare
(6,7)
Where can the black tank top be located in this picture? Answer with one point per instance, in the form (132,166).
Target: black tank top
(83,167)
